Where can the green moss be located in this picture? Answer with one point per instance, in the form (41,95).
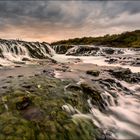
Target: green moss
(47,102)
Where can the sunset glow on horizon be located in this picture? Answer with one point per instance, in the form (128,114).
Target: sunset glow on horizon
(57,20)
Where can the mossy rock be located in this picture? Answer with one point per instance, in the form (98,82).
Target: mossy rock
(44,118)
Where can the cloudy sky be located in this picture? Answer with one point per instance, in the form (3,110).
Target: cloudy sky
(55,20)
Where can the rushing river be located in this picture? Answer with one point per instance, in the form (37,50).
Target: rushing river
(99,60)
(121,121)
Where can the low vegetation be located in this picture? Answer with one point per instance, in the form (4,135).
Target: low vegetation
(126,39)
(40,109)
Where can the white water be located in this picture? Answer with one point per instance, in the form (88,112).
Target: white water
(121,121)
(99,60)
(13,52)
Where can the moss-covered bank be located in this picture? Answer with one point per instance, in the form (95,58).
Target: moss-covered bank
(32,109)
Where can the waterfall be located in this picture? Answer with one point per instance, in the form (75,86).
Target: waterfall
(15,51)
(91,50)
(121,118)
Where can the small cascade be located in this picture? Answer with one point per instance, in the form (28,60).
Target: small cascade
(62,49)
(121,118)
(91,50)
(15,51)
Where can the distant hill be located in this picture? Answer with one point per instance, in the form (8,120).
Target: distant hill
(126,39)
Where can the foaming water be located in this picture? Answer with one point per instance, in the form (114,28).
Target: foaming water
(122,119)
(99,60)
(15,51)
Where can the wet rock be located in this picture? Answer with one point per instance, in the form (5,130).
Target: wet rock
(10,77)
(19,62)
(23,104)
(36,74)
(25,59)
(69,109)
(53,61)
(44,71)
(136,64)
(109,51)
(111,60)
(17,66)
(109,84)
(20,75)
(82,51)
(73,87)
(93,92)
(120,72)
(62,49)
(93,72)
(126,75)
(27,86)
(4,87)
(49,72)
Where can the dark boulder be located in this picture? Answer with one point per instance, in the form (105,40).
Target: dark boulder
(93,72)
(25,59)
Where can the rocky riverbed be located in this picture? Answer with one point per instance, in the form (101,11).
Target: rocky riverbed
(53,100)
(68,96)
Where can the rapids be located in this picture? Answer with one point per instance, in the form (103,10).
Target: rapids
(120,120)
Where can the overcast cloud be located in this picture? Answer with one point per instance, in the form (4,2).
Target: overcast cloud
(55,20)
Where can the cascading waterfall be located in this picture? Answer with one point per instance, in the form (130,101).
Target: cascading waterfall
(91,50)
(62,49)
(121,118)
(15,51)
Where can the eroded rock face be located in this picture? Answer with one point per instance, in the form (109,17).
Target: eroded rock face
(91,50)
(62,49)
(73,87)
(93,92)
(126,75)
(83,51)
